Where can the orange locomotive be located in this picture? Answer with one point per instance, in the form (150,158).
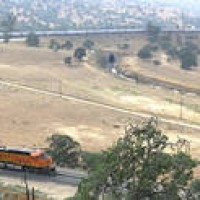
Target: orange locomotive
(27,158)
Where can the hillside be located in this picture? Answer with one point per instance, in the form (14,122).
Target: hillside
(41,96)
(44,69)
(64,15)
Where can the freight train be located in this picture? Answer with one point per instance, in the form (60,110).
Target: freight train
(29,159)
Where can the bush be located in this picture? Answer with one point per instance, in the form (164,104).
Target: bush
(152,29)
(32,40)
(6,37)
(166,38)
(156,62)
(165,45)
(80,53)
(151,47)
(138,166)
(64,150)
(88,44)
(51,43)
(152,39)
(112,58)
(173,52)
(145,53)
(92,160)
(67,45)
(195,186)
(54,45)
(192,47)
(68,60)
(188,58)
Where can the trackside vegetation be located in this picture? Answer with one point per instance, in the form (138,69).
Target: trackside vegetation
(185,50)
(140,166)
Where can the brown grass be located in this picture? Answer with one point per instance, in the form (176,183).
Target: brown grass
(27,119)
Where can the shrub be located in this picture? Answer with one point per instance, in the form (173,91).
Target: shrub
(88,44)
(67,45)
(165,45)
(112,58)
(152,39)
(6,37)
(68,60)
(151,47)
(92,160)
(54,45)
(80,53)
(156,62)
(188,58)
(145,53)
(64,150)
(32,40)
(195,186)
(173,52)
(153,29)
(138,166)
(192,47)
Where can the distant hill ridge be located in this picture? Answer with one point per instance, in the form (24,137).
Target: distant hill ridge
(76,14)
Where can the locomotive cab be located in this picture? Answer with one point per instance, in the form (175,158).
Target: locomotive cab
(37,160)
(43,160)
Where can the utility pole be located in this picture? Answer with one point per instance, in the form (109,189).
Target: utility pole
(181,105)
(26,184)
(33,193)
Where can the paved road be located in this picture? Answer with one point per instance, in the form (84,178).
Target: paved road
(95,103)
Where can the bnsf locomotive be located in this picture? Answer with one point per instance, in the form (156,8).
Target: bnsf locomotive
(33,159)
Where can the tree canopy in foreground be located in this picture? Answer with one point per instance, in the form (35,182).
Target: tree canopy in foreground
(140,167)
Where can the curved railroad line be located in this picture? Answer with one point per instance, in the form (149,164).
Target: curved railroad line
(95,103)
(140,78)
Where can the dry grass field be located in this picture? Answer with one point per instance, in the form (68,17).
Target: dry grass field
(28,118)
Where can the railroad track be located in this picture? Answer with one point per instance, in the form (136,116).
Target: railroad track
(68,176)
(142,30)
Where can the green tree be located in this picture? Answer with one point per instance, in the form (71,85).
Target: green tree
(173,52)
(6,37)
(80,53)
(92,160)
(88,44)
(112,59)
(51,43)
(195,188)
(64,150)
(153,31)
(68,60)
(54,45)
(165,45)
(145,52)
(32,40)
(137,167)
(192,47)
(67,45)
(188,58)
(7,25)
